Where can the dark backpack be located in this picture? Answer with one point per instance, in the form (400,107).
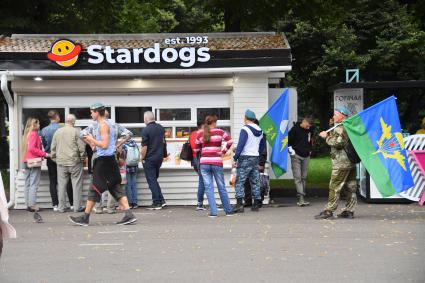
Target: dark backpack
(351,152)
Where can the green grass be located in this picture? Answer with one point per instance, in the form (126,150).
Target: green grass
(319,173)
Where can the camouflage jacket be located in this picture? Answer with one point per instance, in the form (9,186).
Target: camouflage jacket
(337,140)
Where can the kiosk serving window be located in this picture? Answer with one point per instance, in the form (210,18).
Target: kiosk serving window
(175,114)
(130,114)
(83,113)
(41,115)
(222,113)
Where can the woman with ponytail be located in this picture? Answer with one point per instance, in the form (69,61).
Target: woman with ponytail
(32,149)
(209,142)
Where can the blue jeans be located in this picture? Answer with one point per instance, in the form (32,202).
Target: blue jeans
(248,169)
(130,188)
(152,173)
(201,187)
(209,172)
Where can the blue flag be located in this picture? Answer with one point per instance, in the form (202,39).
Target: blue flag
(376,135)
(275,125)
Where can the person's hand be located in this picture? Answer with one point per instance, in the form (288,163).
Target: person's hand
(89,139)
(234,164)
(323,134)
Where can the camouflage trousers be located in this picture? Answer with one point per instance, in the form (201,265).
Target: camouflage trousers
(340,179)
(248,169)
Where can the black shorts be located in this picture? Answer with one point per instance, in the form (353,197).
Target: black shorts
(106,176)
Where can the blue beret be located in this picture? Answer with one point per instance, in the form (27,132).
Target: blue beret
(343,110)
(250,115)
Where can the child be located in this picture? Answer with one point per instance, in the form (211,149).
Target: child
(131,154)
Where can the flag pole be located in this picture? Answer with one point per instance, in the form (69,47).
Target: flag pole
(336,125)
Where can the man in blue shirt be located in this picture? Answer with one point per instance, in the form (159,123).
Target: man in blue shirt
(47,137)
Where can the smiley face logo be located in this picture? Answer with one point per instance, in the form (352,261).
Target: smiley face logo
(64,52)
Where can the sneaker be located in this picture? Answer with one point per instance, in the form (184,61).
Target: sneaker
(134,206)
(200,206)
(324,215)
(71,207)
(212,216)
(81,220)
(110,211)
(98,210)
(81,209)
(33,208)
(127,219)
(346,214)
(230,214)
(55,208)
(163,204)
(301,202)
(154,207)
(37,218)
(219,207)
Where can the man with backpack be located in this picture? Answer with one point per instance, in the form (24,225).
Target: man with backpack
(132,157)
(343,169)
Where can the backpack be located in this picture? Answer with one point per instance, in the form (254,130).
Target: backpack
(132,157)
(351,152)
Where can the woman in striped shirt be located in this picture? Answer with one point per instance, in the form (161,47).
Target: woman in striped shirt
(209,142)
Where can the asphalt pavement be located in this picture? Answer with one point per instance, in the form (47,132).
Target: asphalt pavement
(384,243)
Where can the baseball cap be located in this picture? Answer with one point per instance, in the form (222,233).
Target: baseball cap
(96,106)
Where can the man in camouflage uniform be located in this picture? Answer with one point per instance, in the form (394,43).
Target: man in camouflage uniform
(343,170)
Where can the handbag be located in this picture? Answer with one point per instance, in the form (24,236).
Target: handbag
(34,162)
(165,153)
(186,152)
(264,184)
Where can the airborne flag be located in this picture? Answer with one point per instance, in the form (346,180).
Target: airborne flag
(275,125)
(376,135)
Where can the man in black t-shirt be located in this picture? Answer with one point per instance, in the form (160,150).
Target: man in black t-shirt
(300,145)
(152,154)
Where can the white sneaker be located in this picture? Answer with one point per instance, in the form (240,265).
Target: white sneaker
(72,207)
(55,208)
(98,210)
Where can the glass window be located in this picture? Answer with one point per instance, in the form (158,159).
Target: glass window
(222,113)
(137,132)
(83,113)
(177,114)
(184,132)
(41,114)
(130,114)
(168,132)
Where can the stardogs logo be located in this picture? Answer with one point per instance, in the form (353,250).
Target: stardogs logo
(64,52)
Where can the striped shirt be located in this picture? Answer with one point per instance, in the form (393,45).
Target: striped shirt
(212,151)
